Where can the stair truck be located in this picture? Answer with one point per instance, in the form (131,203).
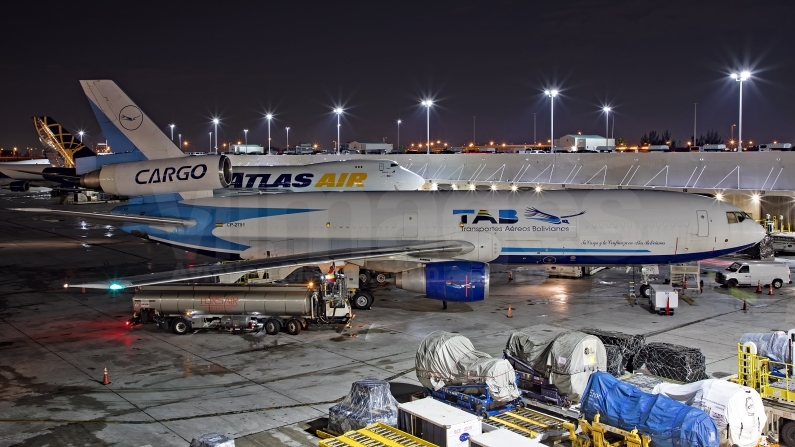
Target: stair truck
(186,308)
(775,382)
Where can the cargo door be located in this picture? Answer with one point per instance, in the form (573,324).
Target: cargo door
(410,224)
(703,223)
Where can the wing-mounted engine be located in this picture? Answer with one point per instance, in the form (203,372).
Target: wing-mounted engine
(164,176)
(448,281)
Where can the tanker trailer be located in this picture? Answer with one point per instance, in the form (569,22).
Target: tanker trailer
(193,307)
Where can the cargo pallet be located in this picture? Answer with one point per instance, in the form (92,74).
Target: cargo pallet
(529,423)
(534,385)
(592,434)
(376,434)
(481,405)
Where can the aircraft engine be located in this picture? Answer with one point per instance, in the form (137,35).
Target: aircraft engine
(163,176)
(448,281)
(20,186)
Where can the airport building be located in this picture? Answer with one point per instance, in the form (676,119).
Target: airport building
(370,147)
(581,143)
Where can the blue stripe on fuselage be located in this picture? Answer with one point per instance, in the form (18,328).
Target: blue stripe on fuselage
(571,250)
(201,234)
(541,257)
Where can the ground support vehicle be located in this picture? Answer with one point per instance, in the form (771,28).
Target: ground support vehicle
(663,299)
(594,434)
(752,273)
(775,383)
(534,385)
(473,398)
(183,309)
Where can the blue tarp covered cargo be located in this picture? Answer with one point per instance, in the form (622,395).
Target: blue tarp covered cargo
(667,422)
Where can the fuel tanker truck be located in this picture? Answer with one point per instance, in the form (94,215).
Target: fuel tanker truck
(213,306)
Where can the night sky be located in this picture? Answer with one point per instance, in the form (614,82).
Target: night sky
(186,62)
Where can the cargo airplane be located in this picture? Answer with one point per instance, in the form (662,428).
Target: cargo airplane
(437,243)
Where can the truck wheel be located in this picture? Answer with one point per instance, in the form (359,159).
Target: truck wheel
(272,326)
(293,326)
(362,300)
(180,326)
(364,277)
(645,291)
(777,283)
(733,283)
(380,278)
(787,434)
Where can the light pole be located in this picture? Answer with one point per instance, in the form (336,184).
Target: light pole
(695,114)
(552,94)
(338,111)
(269,117)
(172,131)
(428,103)
(215,121)
(534,129)
(81,133)
(607,125)
(211,142)
(245,134)
(398,140)
(288,138)
(743,76)
(474,138)
(180,141)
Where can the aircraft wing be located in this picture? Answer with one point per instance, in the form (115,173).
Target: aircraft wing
(130,218)
(448,248)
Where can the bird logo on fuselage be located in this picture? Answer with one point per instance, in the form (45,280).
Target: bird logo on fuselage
(536,214)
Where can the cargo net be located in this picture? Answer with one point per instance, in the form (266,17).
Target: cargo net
(670,361)
(628,346)
(369,400)
(615,360)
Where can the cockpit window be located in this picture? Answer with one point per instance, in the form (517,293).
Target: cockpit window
(393,165)
(734,267)
(736,216)
(731,217)
(741,216)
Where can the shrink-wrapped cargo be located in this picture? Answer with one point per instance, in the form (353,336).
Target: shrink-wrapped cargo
(775,345)
(737,410)
(668,423)
(370,400)
(447,359)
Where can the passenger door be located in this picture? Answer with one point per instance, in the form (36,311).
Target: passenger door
(703,223)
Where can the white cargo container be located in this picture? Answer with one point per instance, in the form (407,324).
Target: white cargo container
(438,423)
(775,147)
(713,148)
(663,297)
(502,438)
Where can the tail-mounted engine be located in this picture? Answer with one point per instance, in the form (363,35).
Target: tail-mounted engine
(171,175)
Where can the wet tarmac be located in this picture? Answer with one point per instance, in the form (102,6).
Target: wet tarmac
(266,390)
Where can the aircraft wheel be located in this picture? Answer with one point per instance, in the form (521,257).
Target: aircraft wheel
(362,300)
(293,326)
(180,326)
(272,326)
(364,277)
(645,291)
(380,278)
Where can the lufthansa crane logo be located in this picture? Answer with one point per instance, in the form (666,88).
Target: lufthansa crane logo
(131,117)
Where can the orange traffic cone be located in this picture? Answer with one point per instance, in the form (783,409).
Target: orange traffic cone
(510,311)
(668,306)
(759,287)
(105,380)
(684,283)
(510,275)
(770,292)
(745,305)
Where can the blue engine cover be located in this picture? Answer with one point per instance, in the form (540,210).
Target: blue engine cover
(457,281)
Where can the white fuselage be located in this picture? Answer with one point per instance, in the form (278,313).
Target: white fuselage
(597,227)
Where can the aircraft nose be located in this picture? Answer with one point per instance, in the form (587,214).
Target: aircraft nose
(755,233)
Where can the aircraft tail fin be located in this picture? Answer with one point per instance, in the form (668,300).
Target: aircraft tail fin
(67,147)
(124,122)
